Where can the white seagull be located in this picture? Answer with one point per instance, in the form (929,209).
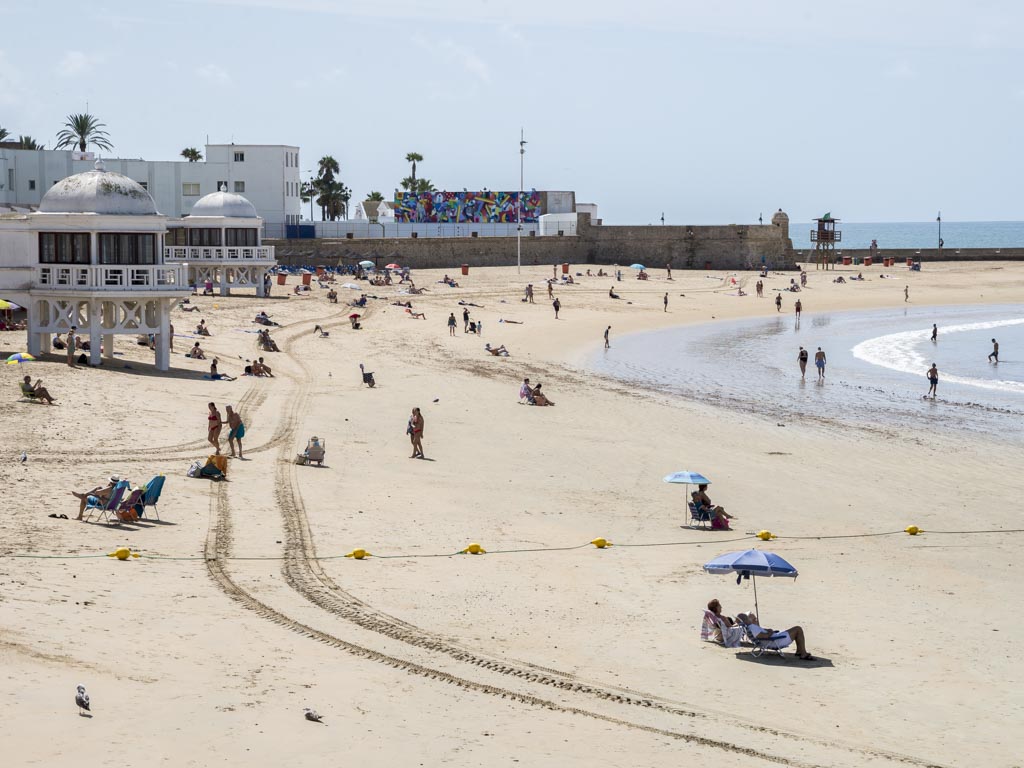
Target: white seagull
(82,699)
(311,714)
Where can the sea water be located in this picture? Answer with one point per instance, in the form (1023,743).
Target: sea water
(875,372)
(918,234)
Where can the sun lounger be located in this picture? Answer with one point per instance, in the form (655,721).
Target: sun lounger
(766,645)
(112,503)
(715,630)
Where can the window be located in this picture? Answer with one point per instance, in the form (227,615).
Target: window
(31,184)
(127,249)
(144,185)
(204,236)
(190,189)
(176,236)
(63,248)
(240,237)
(222,186)
(239,186)
(10,179)
(239,157)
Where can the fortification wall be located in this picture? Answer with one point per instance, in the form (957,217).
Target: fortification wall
(925,254)
(685,247)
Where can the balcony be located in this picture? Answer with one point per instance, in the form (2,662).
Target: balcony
(244,254)
(110,277)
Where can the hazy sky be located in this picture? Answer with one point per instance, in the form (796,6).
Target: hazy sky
(709,112)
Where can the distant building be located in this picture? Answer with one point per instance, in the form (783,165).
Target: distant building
(267,174)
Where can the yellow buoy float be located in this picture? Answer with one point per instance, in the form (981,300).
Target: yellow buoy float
(358,554)
(765,535)
(601,543)
(123,553)
(473,549)
(913,530)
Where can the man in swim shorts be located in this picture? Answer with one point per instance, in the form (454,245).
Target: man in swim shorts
(819,361)
(933,380)
(995,351)
(236,430)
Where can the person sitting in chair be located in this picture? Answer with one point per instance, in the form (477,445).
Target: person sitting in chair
(35,391)
(776,640)
(99,494)
(718,516)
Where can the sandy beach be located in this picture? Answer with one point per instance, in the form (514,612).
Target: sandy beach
(546,651)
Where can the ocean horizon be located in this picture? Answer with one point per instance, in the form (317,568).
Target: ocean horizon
(917,234)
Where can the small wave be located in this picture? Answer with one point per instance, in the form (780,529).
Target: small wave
(897,352)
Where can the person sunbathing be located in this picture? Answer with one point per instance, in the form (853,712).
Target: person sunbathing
(267,343)
(215,375)
(196,353)
(58,343)
(776,640)
(35,391)
(415,315)
(716,608)
(98,495)
(612,294)
(190,308)
(332,296)
(496,351)
(719,517)
(319,329)
(201,329)
(539,398)
(264,319)
(264,369)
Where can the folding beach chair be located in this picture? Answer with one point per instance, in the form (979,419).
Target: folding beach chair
(766,645)
(102,509)
(699,518)
(153,489)
(125,511)
(714,630)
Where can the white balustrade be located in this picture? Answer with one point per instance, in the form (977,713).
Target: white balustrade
(111,277)
(242,253)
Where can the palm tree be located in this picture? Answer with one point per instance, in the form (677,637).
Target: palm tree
(82,130)
(417,186)
(27,142)
(325,185)
(4,133)
(192,154)
(413,157)
(375,196)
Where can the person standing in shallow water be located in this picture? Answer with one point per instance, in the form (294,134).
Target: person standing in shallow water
(778,302)
(798,308)
(995,351)
(819,362)
(933,380)
(935,332)
(802,359)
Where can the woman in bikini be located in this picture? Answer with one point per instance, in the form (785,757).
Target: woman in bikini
(416,433)
(214,425)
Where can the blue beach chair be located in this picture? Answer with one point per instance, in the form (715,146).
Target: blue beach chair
(153,490)
(94,505)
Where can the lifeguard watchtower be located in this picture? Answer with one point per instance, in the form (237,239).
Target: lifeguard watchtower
(825,238)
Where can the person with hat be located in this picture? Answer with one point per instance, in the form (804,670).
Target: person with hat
(97,496)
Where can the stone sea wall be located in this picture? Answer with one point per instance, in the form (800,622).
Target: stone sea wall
(685,247)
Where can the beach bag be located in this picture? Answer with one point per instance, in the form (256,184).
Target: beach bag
(82,359)
(194,468)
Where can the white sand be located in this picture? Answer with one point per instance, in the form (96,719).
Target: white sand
(532,658)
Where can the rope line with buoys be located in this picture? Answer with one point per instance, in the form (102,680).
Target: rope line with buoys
(125,553)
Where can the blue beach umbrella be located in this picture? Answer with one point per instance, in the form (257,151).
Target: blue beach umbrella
(751,564)
(637,266)
(687,479)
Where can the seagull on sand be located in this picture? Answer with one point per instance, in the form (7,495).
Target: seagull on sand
(311,715)
(82,699)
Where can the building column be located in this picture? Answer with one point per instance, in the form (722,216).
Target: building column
(108,338)
(225,287)
(163,335)
(95,339)
(261,284)
(35,338)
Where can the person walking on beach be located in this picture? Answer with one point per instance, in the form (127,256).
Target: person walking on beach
(606,332)
(668,269)
(557,306)
(529,293)
(778,302)
(236,430)
(994,354)
(906,293)
(551,292)
(798,308)
(819,361)
(72,340)
(452,322)
(665,302)
(415,430)
(935,332)
(759,286)
(933,380)
(802,359)
(214,424)
(465,320)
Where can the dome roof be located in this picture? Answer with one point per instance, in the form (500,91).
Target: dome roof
(98,191)
(226,204)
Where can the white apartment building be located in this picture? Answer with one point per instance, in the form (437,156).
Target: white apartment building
(266,174)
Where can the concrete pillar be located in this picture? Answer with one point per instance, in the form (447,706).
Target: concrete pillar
(108,338)
(95,339)
(35,338)
(222,275)
(163,336)
(261,282)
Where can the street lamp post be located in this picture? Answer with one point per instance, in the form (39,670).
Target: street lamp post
(939,219)
(519,206)
(309,189)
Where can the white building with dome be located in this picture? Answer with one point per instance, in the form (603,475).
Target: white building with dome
(92,257)
(220,242)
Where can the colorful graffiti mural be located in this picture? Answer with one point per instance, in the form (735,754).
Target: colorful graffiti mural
(466,207)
